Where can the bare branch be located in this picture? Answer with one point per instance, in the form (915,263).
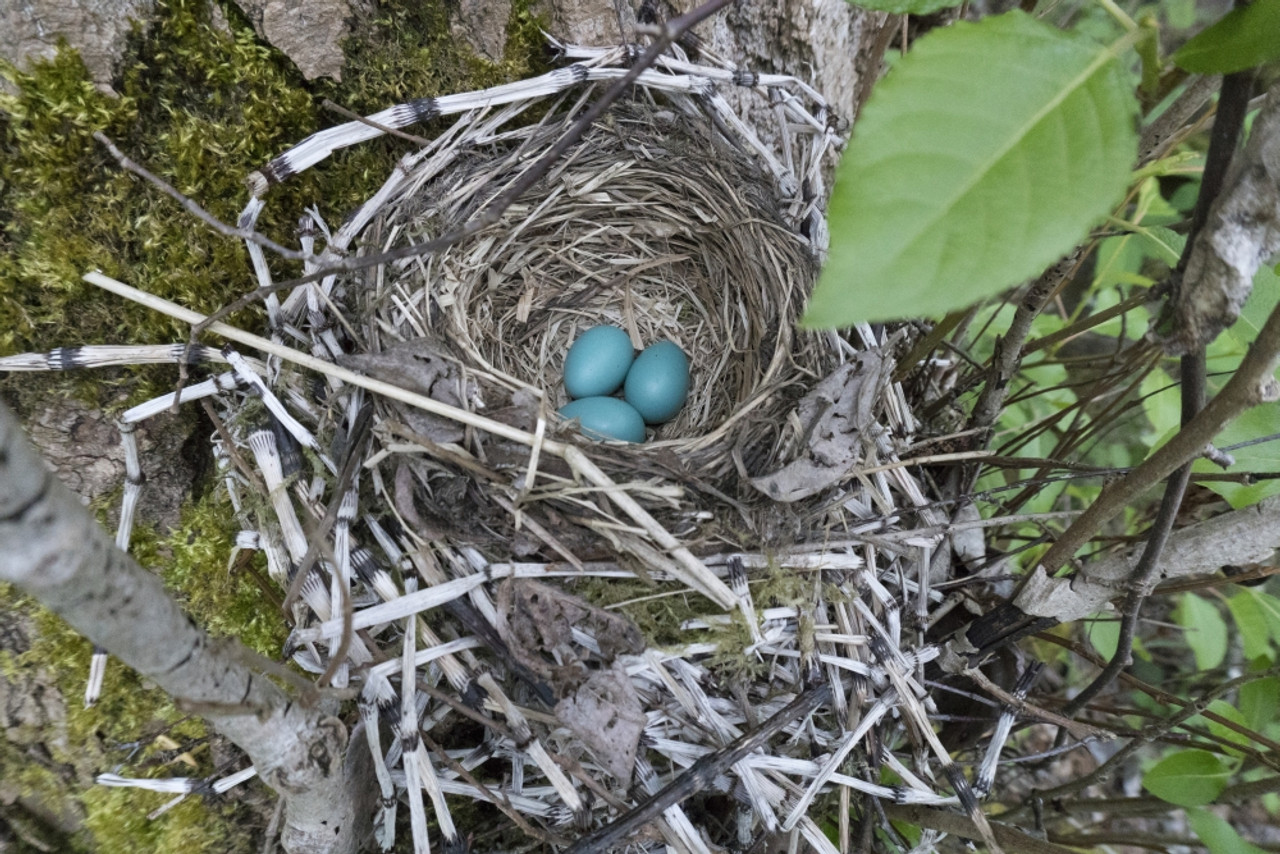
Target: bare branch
(1225,138)
(51,547)
(1010,838)
(1253,383)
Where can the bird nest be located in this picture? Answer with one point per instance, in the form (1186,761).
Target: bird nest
(757,539)
(653,222)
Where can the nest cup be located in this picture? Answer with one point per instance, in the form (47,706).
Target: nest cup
(655,222)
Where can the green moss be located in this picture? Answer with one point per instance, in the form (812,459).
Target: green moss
(201,108)
(658,616)
(194,559)
(122,732)
(118,821)
(39,785)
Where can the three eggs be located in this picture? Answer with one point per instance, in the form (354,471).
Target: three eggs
(655,384)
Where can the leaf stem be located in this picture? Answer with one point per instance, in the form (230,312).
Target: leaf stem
(1121,16)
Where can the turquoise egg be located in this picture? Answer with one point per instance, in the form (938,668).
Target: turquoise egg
(658,382)
(598,361)
(606,418)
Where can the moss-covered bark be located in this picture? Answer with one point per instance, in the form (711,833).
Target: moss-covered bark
(202,104)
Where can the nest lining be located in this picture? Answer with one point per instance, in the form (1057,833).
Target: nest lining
(653,223)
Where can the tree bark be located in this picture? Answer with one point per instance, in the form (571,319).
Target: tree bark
(51,548)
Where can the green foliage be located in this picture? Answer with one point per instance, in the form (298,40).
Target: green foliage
(1260,702)
(1251,624)
(1245,37)
(1223,709)
(1217,834)
(1224,356)
(1206,631)
(1104,635)
(960,181)
(1188,778)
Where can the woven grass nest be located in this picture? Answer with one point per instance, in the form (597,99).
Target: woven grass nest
(653,222)
(473,545)
(670,219)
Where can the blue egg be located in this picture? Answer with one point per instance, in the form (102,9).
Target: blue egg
(606,418)
(658,382)
(598,361)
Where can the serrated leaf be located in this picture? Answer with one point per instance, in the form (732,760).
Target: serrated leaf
(983,156)
(906,7)
(1251,622)
(1260,701)
(1188,778)
(1206,631)
(1218,835)
(1245,37)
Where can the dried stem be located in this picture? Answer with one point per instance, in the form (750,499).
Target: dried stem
(700,775)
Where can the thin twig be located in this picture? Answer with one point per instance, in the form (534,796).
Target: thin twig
(1199,707)
(1250,385)
(1239,394)
(1227,130)
(193,208)
(1011,839)
(389,131)
(700,774)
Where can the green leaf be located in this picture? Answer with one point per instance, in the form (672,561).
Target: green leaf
(1270,606)
(1251,622)
(906,7)
(1218,835)
(1206,631)
(1245,37)
(983,156)
(1104,635)
(1223,709)
(1259,702)
(1188,778)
